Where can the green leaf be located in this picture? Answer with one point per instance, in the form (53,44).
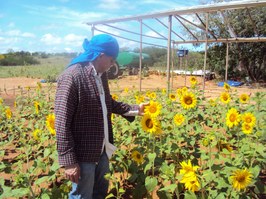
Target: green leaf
(41,180)
(190,195)
(150,183)
(20,192)
(170,188)
(152,156)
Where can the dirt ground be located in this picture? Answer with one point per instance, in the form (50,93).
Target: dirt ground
(9,87)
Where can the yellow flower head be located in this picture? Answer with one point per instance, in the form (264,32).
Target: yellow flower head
(212,102)
(28,88)
(241,178)
(153,109)
(37,107)
(184,89)
(226,87)
(137,157)
(179,92)
(8,113)
(244,98)
(50,123)
(249,118)
(188,100)
(114,97)
(187,168)
(1,101)
(191,182)
(139,99)
(172,96)
(150,124)
(179,119)
(163,91)
(152,95)
(223,145)
(247,128)
(232,118)
(225,97)
(126,90)
(36,134)
(193,80)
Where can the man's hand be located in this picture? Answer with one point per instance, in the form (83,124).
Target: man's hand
(142,107)
(73,172)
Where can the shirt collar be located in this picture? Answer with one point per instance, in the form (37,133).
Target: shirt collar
(94,72)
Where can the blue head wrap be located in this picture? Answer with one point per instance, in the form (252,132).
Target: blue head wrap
(98,44)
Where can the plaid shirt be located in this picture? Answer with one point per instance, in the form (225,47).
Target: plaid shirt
(79,117)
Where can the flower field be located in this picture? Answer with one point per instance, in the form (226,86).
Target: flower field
(185,146)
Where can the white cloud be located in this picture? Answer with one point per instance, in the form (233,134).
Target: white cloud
(28,34)
(11,25)
(13,33)
(74,40)
(49,39)
(112,4)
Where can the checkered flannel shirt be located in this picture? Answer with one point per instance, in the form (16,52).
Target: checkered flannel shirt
(79,117)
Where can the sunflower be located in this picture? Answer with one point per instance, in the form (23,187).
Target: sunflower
(226,87)
(249,118)
(184,89)
(36,134)
(179,119)
(188,100)
(212,102)
(37,107)
(50,123)
(179,92)
(163,91)
(193,80)
(153,109)
(137,157)
(225,97)
(15,104)
(1,101)
(223,145)
(191,182)
(172,96)
(150,124)
(241,178)
(232,118)
(8,113)
(244,98)
(139,99)
(152,95)
(115,97)
(126,90)
(247,128)
(187,167)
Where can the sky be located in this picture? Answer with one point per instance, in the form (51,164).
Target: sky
(60,25)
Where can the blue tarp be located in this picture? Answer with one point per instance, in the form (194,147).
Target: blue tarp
(231,83)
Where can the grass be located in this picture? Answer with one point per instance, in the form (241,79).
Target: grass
(48,69)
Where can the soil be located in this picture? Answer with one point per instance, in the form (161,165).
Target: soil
(9,87)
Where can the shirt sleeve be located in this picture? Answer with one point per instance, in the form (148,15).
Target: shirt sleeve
(65,104)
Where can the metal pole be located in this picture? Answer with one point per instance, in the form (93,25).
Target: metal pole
(226,64)
(169,52)
(206,47)
(173,49)
(92,30)
(140,56)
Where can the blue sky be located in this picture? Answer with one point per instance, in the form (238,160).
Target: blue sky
(59,25)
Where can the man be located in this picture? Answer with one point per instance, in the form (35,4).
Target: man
(83,108)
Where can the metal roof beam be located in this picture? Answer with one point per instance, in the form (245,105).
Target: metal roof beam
(132,32)
(202,28)
(186,27)
(129,38)
(233,40)
(195,9)
(172,30)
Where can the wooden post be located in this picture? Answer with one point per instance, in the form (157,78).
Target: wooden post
(227,58)
(140,57)
(206,47)
(169,52)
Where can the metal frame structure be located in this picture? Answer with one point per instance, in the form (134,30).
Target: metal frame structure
(181,17)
